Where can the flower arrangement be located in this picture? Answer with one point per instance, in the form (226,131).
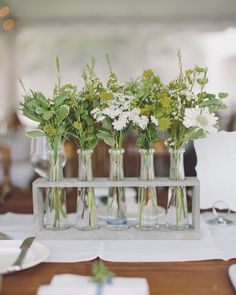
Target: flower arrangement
(143,112)
(82,126)
(83,129)
(187,112)
(114,111)
(144,121)
(51,115)
(183,109)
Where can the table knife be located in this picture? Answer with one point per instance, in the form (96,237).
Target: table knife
(24,249)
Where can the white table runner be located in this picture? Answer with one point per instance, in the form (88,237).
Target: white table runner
(217,242)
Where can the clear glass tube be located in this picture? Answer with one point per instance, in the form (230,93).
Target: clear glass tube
(55,203)
(86,208)
(116,203)
(147,196)
(177,213)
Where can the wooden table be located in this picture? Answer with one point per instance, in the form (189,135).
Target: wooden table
(172,278)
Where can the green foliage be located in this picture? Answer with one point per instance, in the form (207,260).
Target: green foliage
(81,125)
(100,273)
(145,90)
(36,133)
(185,92)
(67,114)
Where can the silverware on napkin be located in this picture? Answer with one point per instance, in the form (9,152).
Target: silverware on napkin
(17,265)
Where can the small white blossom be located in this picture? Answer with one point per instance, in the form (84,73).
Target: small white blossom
(94,111)
(119,124)
(154,120)
(190,95)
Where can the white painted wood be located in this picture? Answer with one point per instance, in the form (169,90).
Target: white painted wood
(103,233)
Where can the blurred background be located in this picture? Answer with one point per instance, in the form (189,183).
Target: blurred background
(136,34)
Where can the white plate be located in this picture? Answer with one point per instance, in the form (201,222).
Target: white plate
(9,251)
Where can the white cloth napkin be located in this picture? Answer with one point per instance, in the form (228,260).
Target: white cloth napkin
(74,285)
(216,169)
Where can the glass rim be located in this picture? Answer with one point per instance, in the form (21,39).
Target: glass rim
(80,151)
(181,150)
(116,151)
(147,151)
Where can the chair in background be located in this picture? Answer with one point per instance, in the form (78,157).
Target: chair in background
(6,163)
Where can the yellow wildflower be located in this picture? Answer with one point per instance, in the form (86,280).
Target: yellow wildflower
(164,123)
(105,96)
(148,73)
(146,110)
(50,131)
(77,125)
(165,101)
(71,102)
(188,72)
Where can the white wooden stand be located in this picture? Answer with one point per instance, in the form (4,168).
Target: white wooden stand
(103,233)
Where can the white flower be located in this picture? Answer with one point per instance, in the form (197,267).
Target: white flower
(94,112)
(190,95)
(143,122)
(112,113)
(154,121)
(100,118)
(119,124)
(200,118)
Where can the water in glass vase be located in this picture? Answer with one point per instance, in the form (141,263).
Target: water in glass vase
(86,207)
(177,212)
(147,197)
(116,201)
(55,203)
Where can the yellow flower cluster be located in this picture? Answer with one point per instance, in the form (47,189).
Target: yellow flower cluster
(105,96)
(50,131)
(146,110)
(77,125)
(164,123)
(148,73)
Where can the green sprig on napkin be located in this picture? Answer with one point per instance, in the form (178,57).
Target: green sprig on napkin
(100,273)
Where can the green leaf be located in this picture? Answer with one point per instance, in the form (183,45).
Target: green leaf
(222,95)
(42,101)
(100,273)
(30,115)
(109,140)
(39,110)
(198,134)
(203,81)
(47,115)
(59,100)
(104,130)
(213,104)
(63,112)
(35,133)
(200,69)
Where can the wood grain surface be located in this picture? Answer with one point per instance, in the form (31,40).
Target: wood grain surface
(185,278)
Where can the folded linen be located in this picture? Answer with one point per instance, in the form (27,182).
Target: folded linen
(75,284)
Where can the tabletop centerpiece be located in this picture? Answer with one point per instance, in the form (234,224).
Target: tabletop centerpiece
(187,112)
(114,116)
(83,130)
(51,114)
(144,121)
